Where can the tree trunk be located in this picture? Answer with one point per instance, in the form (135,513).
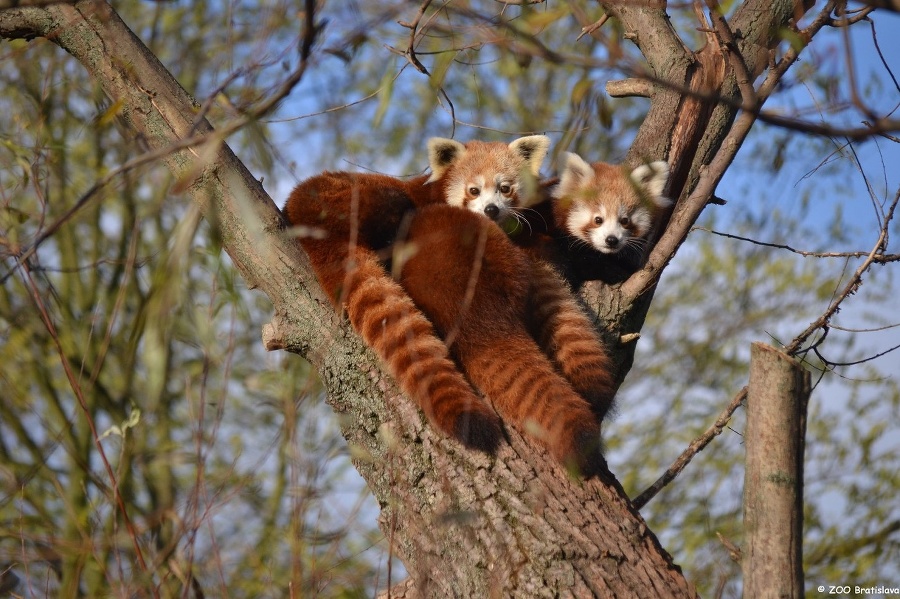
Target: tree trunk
(464,524)
(772,556)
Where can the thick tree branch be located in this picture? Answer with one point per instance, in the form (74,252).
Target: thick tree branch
(514,523)
(719,136)
(5,4)
(777,396)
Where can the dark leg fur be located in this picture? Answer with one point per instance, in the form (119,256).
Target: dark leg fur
(466,263)
(529,393)
(567,336)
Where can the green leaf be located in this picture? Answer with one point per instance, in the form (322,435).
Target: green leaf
(796,41)
(385,93)
(134,417)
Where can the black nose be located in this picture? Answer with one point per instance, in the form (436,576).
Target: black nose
(492,211)
(612,241)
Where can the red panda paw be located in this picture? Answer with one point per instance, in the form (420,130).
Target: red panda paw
(582,452)
(602,403)
(478,428)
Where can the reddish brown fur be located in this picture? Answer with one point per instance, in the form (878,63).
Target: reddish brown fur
(565,333)
(547,234)
(348,218)
(488,320)
(355,216)
(490,324)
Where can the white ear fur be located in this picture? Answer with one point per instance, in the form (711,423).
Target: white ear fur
(441,154)
(652,179)
(533,148)
(576,172)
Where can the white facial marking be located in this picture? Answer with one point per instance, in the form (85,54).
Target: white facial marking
(491,195)
(455,193)
(612,234)
(610,229)
(579,219)
(642,221)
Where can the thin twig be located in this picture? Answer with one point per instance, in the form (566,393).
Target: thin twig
(590,29)
(861,14)
(850,64)
(696,446)
(884,63)
(880,258)
(794,347)
(413,27)
(831,363)
(82,402)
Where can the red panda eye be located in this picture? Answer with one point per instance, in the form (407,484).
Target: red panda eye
(624,221)
(505,189)
(474,191)
(598,220)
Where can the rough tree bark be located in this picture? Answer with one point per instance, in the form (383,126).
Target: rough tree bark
(463,524)
(773,480)
(689,126)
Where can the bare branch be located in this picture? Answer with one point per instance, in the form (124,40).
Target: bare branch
(885,64)
(832,364)
(696,446)
(413,27)
(795,346)
(880,258)
(851,17)
(590,29)
(729,45)
(688,210)
(625,88)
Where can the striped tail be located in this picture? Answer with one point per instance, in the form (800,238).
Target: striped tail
(567,335)
(528,392)
(388,321)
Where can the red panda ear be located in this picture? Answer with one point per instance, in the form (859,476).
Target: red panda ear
(441,154)
(576,172)
(652,179)
(533,149)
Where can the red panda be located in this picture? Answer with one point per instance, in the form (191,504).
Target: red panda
(351,218)
(594,223)
(496,308)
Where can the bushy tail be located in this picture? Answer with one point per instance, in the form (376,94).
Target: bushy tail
(568,337)
(529,393)
(388,321)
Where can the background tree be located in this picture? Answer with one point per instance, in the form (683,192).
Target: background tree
(124,278)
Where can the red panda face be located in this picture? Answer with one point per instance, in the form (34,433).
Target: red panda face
(606,208)
(476,192)
(607,227)
(486,177)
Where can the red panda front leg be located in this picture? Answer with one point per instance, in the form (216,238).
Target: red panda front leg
(567,336)
(388,321)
